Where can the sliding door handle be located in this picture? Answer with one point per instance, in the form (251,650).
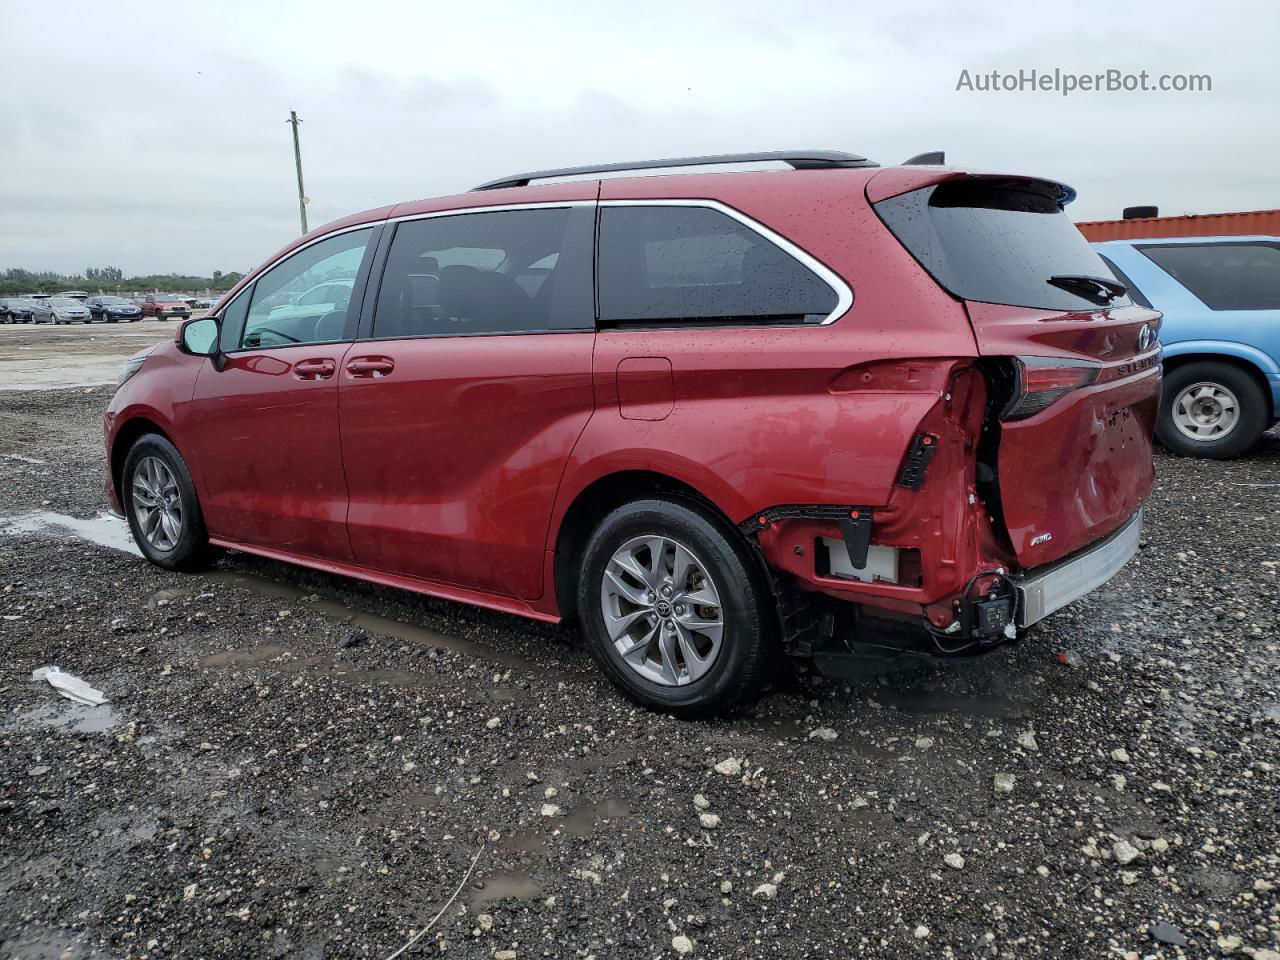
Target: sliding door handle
(370,367)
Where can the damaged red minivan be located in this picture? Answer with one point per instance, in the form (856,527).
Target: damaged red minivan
(827,409)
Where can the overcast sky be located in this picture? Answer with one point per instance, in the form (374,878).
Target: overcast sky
(152,136)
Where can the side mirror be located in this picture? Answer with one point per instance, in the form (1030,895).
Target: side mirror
(199,337)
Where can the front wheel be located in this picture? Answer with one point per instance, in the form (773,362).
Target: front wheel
(675,608)
(160,502)
(1211,410)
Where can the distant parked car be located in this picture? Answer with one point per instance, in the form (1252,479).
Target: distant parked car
(1221,334)
(165,306)
(206,303)
(15,309)
(59,310)
(113,309)
(75,295)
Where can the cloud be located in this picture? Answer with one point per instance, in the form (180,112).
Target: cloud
(159,143)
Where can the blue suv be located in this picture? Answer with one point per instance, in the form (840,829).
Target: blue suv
(1221,335)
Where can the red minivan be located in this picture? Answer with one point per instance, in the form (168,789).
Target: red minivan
(828,409)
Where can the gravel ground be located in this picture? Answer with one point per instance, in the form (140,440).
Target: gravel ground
(298,765)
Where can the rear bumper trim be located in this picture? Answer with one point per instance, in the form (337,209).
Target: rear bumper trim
(1047,589)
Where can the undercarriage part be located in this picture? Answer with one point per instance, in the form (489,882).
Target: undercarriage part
(850,644)
(984,616)
(862,646)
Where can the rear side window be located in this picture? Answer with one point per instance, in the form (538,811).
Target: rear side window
(1225,276)
(1136,295)
(1000,242)
(694,265)
(514,271)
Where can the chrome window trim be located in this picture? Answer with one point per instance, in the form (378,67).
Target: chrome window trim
(844,294)
(252,283)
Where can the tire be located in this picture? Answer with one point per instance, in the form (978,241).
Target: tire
(183,545)
(730,670)
(1221,401)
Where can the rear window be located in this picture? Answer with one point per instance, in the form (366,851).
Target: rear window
(1224,276)
(1134,293)
(682,265)
(999,242)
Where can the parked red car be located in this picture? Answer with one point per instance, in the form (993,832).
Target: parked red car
(826,410)
(165,306)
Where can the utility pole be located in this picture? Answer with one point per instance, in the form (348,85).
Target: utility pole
(297,159)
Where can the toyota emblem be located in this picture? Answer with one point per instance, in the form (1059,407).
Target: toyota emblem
(1144,337)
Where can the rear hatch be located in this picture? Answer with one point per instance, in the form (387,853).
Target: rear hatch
(1074,365)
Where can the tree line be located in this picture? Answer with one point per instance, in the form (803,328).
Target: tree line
(16,281)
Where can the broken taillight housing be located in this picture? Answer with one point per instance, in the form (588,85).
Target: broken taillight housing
(1042,381)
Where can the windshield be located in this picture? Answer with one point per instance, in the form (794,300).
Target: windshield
(63,302)
(166,298)
(113,301)
(1001,242)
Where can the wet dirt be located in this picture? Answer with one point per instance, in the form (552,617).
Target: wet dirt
(320,795)
(73,717)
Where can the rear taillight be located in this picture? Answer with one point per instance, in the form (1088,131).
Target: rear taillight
(1042,381)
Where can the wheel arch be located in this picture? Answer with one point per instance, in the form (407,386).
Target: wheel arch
(1248,360)
(125,437)
(601,496)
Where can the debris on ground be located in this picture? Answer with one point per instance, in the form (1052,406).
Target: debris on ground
(1068,658)
(70,686)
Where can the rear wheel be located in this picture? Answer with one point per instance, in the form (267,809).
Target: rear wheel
(674,608)
(1211,410)
(160,502)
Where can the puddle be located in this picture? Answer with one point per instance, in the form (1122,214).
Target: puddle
(583,820)
(503,886)
(506,694)
(374,623)
(72,717)
(104,529)
(168,595)
(263,654)
(49,945)
(924,701)
(248,657)
(580,822)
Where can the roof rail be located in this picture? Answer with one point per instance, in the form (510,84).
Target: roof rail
(797,159)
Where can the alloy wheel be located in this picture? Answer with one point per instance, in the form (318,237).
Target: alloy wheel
(157,503)
(1205,411)
(662,610)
